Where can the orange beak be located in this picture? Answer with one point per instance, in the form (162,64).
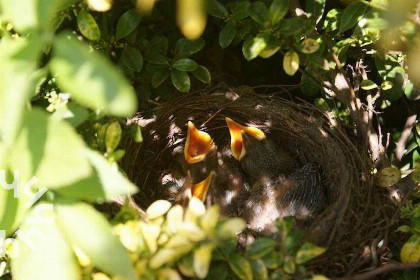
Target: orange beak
(198,144)
(199,190)
(236,140)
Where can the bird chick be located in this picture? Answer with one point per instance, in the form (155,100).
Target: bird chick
(260,157)
(279,189)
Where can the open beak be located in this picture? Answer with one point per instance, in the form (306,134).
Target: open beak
(236,139)
(199,190)
(198,144)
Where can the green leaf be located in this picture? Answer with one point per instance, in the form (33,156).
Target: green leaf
(261,247)
(410,252)
(135,132)
(185,64)
(216,9)
(291,63)
(91,79)
(180,80)
(315,8)
(227,34)
(240,10)
(278,10)
(386,85)
(184,47)
(107,183)
(127,23)
(132,58)
(155,58)
(159,76)
(74,114)
(352,14)
(113,136)
(252,47)
(308,88)
(332,20)
(202,74)
(309,46)
(30,15)
(202,259)
(51,245)
(91,232)
(18,59)
(368,85)
(12,209)
(240,266)
(41,143)
(88,26)
(307,252)
(259,270)
(259,12)
(292,26)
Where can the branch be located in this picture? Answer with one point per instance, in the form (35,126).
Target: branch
(402,142)
(381,270)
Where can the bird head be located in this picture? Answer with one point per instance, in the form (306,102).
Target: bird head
(189,189)
(198,144)
(241,137)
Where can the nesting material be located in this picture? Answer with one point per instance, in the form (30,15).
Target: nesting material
(357,213)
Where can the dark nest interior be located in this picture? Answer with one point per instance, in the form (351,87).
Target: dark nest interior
(358,216)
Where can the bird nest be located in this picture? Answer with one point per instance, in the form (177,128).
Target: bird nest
(357,216)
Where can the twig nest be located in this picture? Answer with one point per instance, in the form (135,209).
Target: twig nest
(357,213)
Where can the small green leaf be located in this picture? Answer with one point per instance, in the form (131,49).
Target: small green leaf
(113,136)
(259,270)
(216,9)
(132,58)
(180,80)
(352,14)
(291,63)
(368,85)
(127,23)
(261,247)
(51,244)
(309,46)
(82,225)
(74,114)
(202,74)
(135,132)
(227,34)
(292,26)
(159,76)
(80,72)
(252,47)
(185,48)
(289,266)
(410,252)
(315,8)
(202,259)
(278,10)
(386,85)
(307,252)
(88,26)
(259,12)
(240,10)
(332,20)
(185,64)
(240,266)
(308,88)
(155,58)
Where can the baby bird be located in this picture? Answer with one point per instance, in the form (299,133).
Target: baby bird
(260,157)
(279,189)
